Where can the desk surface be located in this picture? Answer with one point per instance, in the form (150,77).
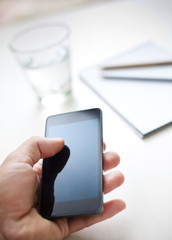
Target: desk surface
(98,32)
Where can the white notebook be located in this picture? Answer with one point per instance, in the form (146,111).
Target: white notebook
(146,53)
(145,105)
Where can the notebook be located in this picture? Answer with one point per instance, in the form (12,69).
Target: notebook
(145,53)
(145,105)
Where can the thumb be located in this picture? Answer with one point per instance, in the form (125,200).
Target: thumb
(36,148)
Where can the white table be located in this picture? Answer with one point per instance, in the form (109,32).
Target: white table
(100,31)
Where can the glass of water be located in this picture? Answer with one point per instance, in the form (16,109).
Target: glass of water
(44,54)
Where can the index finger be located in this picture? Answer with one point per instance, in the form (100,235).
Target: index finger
(110,160)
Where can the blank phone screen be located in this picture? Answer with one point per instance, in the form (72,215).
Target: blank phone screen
(71,182)
(79,177)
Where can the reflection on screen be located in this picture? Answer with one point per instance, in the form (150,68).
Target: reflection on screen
(79,178)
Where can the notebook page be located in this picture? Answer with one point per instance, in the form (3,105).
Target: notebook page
(146,53)
(145,105)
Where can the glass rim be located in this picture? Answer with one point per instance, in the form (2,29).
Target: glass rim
(37,26)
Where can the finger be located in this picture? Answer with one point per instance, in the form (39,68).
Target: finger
(112,180)
(111,208)
(38,168)
(110,160)
(104,146)
(35,148)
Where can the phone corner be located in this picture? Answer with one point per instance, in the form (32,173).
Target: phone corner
(100,209)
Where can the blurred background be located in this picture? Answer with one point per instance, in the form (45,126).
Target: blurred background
(14,10)
(18,10)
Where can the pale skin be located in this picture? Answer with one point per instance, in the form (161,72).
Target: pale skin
(19,186)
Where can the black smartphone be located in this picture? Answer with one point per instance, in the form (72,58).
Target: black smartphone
(71,182)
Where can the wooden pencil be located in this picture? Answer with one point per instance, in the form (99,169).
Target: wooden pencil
(136,65)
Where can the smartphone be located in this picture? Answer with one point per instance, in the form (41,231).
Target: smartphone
(71,182)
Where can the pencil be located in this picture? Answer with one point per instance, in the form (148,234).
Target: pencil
(137,65)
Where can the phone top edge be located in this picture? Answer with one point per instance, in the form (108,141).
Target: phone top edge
(78,111)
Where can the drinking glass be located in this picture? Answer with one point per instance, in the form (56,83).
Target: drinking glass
(44,54)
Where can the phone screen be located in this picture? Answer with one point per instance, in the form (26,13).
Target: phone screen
(74,187)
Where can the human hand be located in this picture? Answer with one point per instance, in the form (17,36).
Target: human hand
(19,184)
